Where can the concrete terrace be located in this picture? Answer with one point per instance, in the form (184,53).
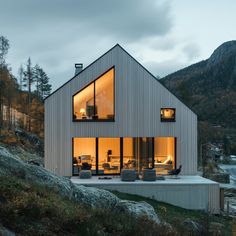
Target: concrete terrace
(190,192)
(181,180)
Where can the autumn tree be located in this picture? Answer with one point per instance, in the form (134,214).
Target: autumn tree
(11,94)
(21,76)
(22,107)
(4,46)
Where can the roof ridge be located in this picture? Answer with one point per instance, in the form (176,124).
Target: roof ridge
(116,45)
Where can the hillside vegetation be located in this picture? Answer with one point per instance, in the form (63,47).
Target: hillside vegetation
(209,89)
(21,96)
(27,208)
(34,201)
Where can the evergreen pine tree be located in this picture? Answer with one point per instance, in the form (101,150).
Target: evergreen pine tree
(43,88)
(28,81)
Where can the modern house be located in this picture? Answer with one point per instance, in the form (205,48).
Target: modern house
(115,114)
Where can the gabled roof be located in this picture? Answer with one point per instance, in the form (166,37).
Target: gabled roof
(117,45)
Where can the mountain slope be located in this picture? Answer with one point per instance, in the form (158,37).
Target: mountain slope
(209,87)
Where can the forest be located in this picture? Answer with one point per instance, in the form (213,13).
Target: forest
(22,95)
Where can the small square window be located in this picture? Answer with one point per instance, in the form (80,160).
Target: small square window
(167,114)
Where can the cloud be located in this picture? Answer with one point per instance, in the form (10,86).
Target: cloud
(130,20)
(191,50)
(164,68)
(58,33)
(167,54)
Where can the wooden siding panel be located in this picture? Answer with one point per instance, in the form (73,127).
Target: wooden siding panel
(138,99)
(189,196)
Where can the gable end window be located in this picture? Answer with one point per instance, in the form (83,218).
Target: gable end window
(167,114)
(95,102)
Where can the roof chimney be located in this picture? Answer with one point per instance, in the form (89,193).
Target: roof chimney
(78,68)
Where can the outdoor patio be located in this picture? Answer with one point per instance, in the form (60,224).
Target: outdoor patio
(190,192)
(116,180)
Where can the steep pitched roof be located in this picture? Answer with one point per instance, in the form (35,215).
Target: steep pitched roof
(117,45)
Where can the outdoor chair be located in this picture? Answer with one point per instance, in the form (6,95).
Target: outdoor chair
(106,166)
(128,175)
(85,174)
(86,166)
(175,172)
(149,174)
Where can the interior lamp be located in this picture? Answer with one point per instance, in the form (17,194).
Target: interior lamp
(82,111)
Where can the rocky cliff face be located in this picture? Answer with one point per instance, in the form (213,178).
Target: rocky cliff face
(87,196)
(223,53)
(209,86)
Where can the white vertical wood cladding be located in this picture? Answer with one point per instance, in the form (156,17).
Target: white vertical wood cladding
(190,196)
(138,99)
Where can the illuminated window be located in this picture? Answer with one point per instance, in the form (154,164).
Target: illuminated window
(108,155)
(168,114)
(96,101)
(84,154)
(164,154)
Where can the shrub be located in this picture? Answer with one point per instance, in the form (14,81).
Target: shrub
(31,209)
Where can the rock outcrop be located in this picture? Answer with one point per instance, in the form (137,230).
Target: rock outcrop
(193,227)
(222,53)
(136,208)
(88,196)
(6,232)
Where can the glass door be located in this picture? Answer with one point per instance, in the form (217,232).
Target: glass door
(145,153)
(108,156)
(138,153)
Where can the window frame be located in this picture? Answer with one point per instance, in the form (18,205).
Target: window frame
(121,153)
(94,97)
(168,119)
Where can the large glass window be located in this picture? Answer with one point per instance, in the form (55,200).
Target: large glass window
(96,101)
(103,155)
(84,103)
(108,155)
(104,95)
(129,159)
(137,153)
(84,154)
(145,153)
(164,154)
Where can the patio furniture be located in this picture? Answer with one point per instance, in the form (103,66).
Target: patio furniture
(107,166)
(85,174)
(149,174)
(128,175)
(75,170)
(175,172)
(100,172)
(86,166)
(85,158)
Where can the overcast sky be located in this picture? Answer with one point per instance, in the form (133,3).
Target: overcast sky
(163,35)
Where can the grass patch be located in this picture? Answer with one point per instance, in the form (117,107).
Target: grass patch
(27,208)
(30,209)
(176,215)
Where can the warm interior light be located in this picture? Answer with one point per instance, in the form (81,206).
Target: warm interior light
(168,113)
(82,111)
